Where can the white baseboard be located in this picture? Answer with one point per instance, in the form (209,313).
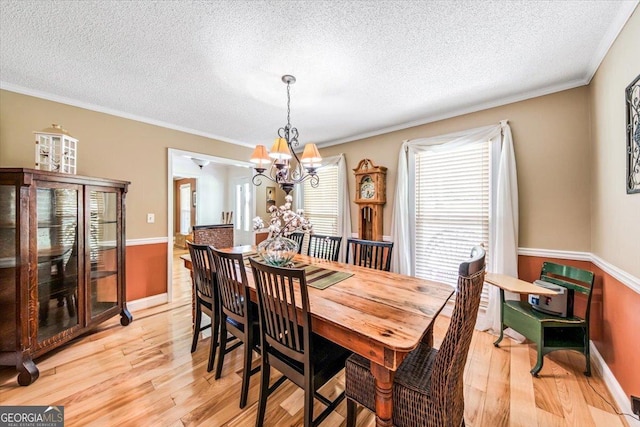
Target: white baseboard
(152,301)
(621,399)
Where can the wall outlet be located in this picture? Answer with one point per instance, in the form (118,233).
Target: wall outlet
(151,218)
(635,405)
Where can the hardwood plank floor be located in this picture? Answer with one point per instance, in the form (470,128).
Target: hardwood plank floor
(145,375)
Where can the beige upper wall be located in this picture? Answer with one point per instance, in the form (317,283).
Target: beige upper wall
(615,227)
(551,142)
(109,147)
(550,138)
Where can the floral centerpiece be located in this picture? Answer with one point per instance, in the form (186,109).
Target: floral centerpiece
(277,249)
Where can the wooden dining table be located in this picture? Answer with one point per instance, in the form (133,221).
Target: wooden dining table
(380,315)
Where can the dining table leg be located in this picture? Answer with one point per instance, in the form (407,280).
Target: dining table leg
(384,397)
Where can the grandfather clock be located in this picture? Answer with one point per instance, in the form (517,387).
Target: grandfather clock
(370,197)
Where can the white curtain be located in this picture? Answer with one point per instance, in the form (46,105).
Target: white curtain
(505,241)
(504,230)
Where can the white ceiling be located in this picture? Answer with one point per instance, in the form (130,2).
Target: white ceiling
(213,68)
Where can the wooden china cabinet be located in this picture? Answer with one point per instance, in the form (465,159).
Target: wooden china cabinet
(62,261)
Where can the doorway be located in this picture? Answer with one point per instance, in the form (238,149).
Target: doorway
(212,194)
(184,211)
(245,211)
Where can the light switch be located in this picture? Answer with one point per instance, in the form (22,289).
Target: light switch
(151,218)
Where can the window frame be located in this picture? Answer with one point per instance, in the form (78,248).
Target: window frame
(494,162)
(300,198)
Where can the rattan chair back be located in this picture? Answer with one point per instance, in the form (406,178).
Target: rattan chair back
(448,367)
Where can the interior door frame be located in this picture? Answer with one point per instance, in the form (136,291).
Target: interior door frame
(173,153)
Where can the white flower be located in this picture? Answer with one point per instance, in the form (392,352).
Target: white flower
(283,220)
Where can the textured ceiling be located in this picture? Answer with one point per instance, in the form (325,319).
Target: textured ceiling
(363,67)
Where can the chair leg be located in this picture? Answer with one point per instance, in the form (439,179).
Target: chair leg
(265,373)
(196,328)
(71,307)
(308,403)
(246,374)
(540,359)
(496,342)
(351,413)
(222,349)
(587,352)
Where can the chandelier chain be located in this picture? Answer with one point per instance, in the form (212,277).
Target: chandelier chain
(288,105)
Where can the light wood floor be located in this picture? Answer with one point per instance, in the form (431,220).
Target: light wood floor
(145,375)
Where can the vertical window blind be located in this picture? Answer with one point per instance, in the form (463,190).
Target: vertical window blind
(321,204)
(452,209)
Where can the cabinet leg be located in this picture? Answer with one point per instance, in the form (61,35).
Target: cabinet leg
(28,372)
(125,317)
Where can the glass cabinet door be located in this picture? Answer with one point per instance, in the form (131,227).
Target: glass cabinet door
(103,250)
(57,253)
(8,264)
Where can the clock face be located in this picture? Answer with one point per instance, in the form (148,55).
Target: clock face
(367,188)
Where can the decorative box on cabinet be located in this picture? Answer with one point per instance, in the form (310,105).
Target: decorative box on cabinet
(62,261)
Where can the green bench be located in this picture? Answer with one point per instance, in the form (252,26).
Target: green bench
(548,331)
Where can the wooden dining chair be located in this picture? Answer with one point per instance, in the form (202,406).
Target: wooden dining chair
(288,344)
(370,253)
(427,388)
(297,237)
(325,247)
(238,315)
(205,297)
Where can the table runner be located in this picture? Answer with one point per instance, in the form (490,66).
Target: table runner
(317,277)
(322,278)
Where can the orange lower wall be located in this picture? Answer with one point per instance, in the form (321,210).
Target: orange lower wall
(146,270)
(615,319)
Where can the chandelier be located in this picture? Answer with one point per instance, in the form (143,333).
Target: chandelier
(279,165)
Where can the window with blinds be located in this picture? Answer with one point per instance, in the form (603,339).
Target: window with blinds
(321,204)
(452,209)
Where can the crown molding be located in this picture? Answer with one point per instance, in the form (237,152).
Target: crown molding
(462,111)
(113,112)
(616,26)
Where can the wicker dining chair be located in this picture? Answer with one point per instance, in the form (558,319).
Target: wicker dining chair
(370,253)
(288,344)
(238,314)
(325,247)
(427,388)
(205,297)
(297,237)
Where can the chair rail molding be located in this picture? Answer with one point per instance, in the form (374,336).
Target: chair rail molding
(147,241)
(620,275)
